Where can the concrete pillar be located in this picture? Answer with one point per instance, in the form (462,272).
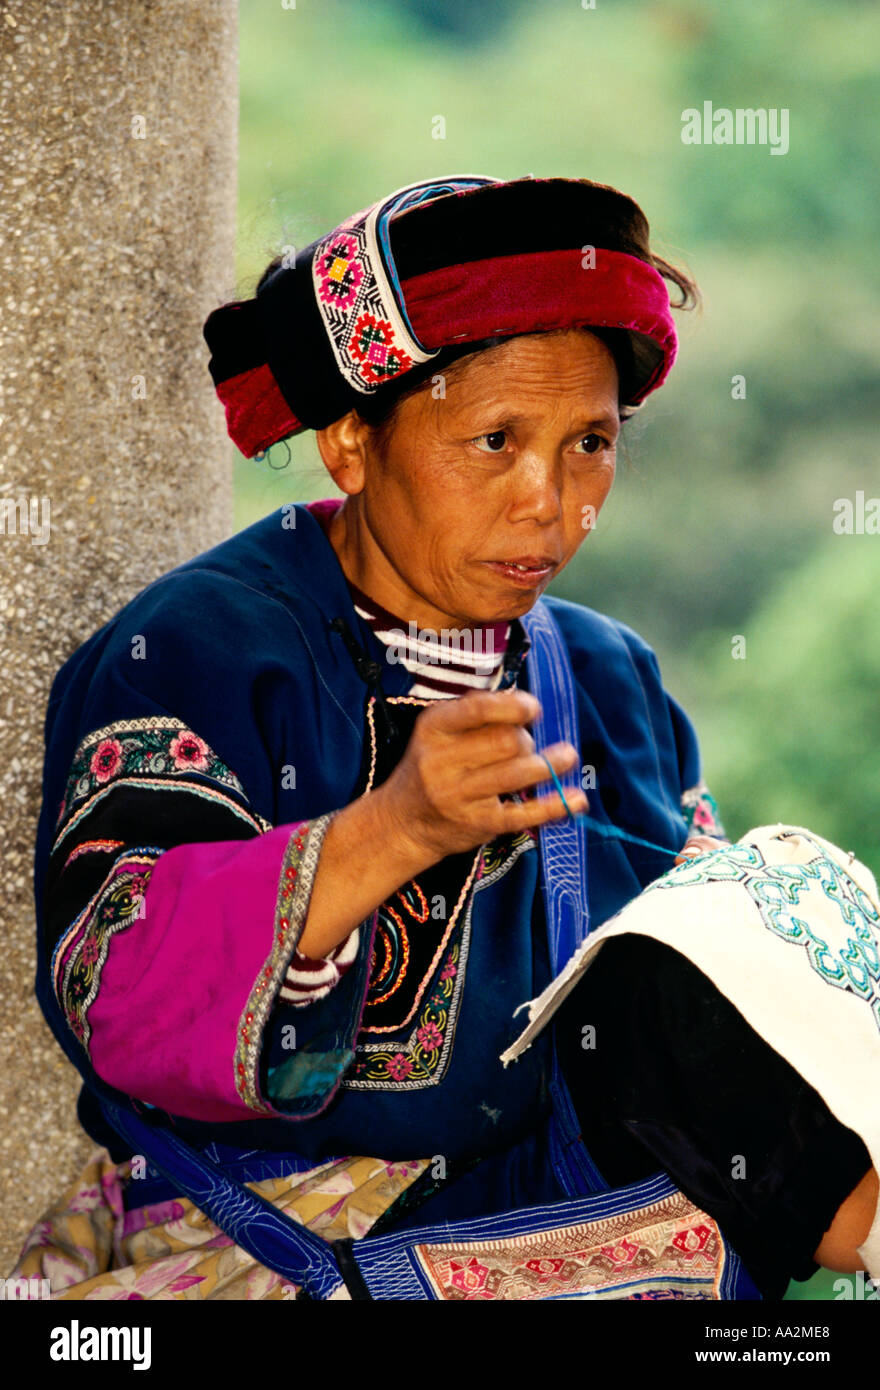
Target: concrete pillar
(117,223)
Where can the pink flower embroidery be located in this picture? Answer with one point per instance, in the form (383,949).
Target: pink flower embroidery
(703,816)
(449,971)
(372,346)
(340,272)
(90,950)
(106,759)
(399,1067)
(430,1037)
(188,750)
(469,1277)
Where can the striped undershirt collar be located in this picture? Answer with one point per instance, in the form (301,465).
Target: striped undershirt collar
(445,663)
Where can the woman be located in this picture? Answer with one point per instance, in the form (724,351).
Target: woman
(292,868)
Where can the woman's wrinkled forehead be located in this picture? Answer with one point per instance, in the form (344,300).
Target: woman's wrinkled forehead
(533,370)
(436,266)
(573,368)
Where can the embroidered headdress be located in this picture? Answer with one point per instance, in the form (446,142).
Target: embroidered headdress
(435,266)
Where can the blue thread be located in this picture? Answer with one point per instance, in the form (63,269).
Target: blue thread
(559,788)
(605,832)
(613,832)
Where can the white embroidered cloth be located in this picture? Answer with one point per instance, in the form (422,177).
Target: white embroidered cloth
(787,927)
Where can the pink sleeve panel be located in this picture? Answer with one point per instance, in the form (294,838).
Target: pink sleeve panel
(183,981)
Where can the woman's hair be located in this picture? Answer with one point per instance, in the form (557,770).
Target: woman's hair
(379,409)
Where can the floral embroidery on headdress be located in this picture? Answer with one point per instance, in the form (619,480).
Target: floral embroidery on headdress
(372,345)
(338,271)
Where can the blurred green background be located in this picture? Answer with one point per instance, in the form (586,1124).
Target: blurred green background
(720,522)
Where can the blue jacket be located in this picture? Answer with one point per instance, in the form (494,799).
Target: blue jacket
(237,646)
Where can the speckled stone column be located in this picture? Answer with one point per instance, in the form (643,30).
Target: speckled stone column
(117,225)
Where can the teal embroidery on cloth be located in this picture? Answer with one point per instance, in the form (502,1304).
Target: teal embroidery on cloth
(846,956)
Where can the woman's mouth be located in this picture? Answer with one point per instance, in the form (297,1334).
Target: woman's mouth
(525,572)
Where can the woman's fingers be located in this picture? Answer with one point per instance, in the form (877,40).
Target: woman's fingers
(518,773)
(537,811)
(467,753)
(472,750)
(482,707)
(700,844)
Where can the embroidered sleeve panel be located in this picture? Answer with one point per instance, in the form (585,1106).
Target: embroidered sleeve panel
(81,952)
(701,814)
(132,783)
(299,866)
(156,751)
(171,919)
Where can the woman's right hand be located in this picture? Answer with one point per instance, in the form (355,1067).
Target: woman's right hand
(464,754)
(442,798)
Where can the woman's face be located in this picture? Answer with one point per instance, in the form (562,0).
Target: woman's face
(475,500)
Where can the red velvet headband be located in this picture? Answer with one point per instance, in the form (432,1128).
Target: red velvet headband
(257,415)
(374,330)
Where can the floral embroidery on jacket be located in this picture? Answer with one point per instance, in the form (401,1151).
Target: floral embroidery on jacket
(701,812)
(421,1058)
(417,1060)
(81,953)
(154,747)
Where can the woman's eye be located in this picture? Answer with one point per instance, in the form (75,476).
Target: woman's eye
(494,442)
(592,443)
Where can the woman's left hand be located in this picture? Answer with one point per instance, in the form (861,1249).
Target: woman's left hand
(699,844)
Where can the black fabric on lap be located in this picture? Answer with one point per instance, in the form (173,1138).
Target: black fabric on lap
(678,1080)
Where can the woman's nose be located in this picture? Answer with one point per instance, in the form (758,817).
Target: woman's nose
(536,487)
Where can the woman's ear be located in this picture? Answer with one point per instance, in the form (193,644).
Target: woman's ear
(343,447)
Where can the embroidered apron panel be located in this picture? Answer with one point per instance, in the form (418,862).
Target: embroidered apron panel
(420,949)
(672,1250)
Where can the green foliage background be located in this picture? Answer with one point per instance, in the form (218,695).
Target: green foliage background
(720,520)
